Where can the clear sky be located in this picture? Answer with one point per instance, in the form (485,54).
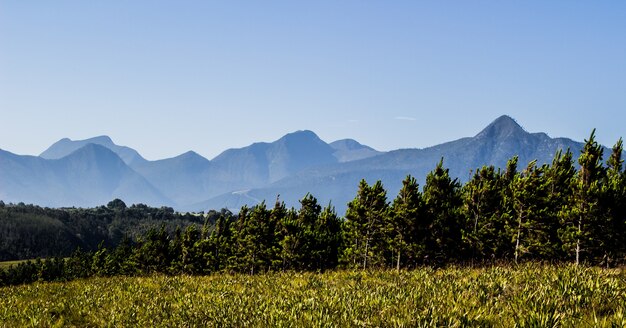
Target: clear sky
(165,77)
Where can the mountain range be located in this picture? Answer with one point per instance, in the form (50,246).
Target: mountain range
(91,172)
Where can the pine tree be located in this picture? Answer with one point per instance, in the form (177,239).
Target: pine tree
(217,247)
(507,221)
(153,254)
(579,219)
(528,194)
(257,247)
(328,238)
(308,215)
(442,203)
(364,225)
(613,223)
(190,254)
(289,235)
(559,177)
(482,201)
(407,232)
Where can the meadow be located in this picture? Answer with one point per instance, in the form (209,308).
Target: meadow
(529,295)
(6,264)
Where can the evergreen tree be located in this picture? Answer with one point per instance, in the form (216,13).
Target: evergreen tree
(121,259)
(613,224)
(364,224)
(190,253)
(507,220)
(559,177)
(406,230)
(217,247)
(257,247)
(308,217)
(99,261)
(78,265)
(482,202)
(290,235)
(442,202)
(153,254)
(580,217)
(328,239)
(527,199)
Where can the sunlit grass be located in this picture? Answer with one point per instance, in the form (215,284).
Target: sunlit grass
(526,296)
(6,264)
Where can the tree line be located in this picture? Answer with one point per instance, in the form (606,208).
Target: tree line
(29,231)
(558,212)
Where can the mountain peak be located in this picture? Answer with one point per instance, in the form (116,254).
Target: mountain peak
(98,152)
(348,144)
(67,146)
(301,135)
(102,140)
(502,127)
(192,155)
(347,150)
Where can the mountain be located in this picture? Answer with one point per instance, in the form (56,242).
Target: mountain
(263,163)
(94,171)
(90,176)
(183,179)
(347,150)
(66,146)
(494,145)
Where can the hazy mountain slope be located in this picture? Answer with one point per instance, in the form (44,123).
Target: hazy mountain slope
(66,146)
(263,163)
(22,178)
(347,150)
(183,179)
(92,175)
(495,144)
(291,166)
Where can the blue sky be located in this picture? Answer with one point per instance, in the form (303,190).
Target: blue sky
(165,77)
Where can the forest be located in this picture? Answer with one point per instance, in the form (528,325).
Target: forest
(563,212)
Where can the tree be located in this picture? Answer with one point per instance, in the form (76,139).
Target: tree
(559,178)
(217,248)
(191,260)
(579,218)
(116,204)
(442,202)
(528,194)
(153,254)
(256,246)
(307,218)
(364,245)
(612,225)
(482,203)
(328,239)
(289,239)
(406,231)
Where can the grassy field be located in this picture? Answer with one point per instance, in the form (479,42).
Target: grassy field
(526,296)
(6,264)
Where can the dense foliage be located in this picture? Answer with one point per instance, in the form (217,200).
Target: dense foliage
(528,295)
(28,231)
(553,213)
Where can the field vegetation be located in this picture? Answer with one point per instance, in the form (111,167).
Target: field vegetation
(529,295)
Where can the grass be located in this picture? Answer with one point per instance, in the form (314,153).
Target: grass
(6,264)
(526,296)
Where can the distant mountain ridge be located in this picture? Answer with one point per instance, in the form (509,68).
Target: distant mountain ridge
(93,171)
(66,146)
(89,176)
